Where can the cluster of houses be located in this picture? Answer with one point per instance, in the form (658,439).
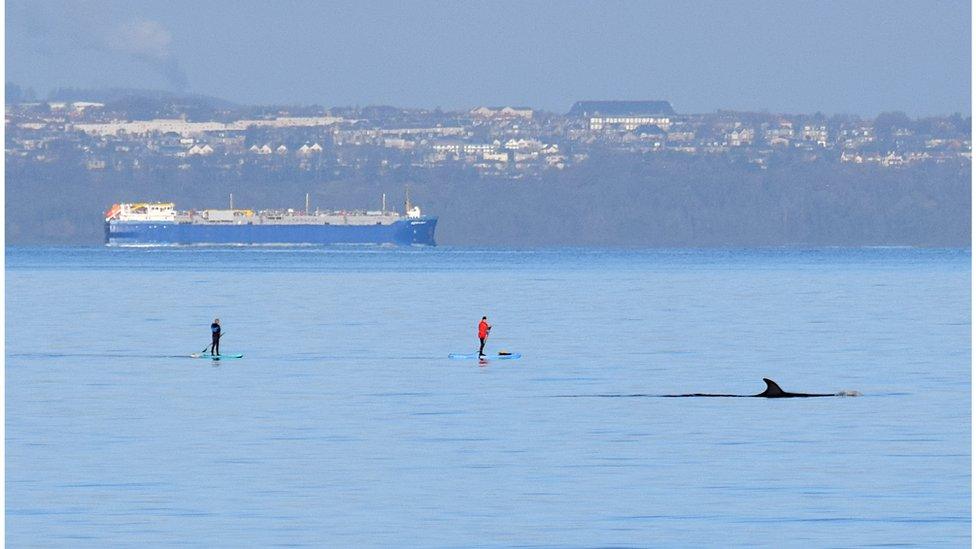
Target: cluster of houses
(500,140)
(304,150)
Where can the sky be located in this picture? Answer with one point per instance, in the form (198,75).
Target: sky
(836,57)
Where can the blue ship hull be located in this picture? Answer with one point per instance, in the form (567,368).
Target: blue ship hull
(160,233)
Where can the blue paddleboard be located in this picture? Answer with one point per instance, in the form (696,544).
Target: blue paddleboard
(463,356)
(215,357)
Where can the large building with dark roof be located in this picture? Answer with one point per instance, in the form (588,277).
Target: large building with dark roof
(622,115)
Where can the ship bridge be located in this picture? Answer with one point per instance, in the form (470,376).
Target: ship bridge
(142,211)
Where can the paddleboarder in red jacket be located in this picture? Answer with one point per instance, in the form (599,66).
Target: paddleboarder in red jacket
(483,329)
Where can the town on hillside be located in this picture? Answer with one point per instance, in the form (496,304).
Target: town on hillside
(129,132)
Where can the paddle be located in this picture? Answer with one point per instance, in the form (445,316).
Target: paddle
(481,355)
(208,346)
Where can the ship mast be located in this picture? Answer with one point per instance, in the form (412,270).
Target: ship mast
(384,202)
(232,201)
(306,203)
(406,202)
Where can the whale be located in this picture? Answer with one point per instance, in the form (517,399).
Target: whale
(773,390)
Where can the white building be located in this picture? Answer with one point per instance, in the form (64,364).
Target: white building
(197,150)
(496,156)
(601,116)
(459,147)
(184,128)
(478,148)
(398,143)
(450,147)
(815,134)
(523,145)
(502,112)
(740,136)
(307,149)
(82,106)
(443,131)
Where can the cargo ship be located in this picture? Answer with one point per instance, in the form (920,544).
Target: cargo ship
(161,224)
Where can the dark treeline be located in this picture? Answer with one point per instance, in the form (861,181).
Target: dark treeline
(613,200)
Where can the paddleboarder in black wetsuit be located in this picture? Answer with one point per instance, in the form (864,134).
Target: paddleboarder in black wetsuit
(215,334)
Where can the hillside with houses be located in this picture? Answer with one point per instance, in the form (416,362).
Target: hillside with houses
(603,173)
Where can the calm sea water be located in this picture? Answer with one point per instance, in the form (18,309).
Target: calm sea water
(346,425)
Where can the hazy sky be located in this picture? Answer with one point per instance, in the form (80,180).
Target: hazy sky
(858,57)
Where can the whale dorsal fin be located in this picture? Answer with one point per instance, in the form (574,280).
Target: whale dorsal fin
(772,389)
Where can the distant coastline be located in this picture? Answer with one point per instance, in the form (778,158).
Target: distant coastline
(607,173)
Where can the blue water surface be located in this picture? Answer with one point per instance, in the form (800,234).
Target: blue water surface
(346,425)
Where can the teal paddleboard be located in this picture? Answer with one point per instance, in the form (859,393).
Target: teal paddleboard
(215,357)
(499,356)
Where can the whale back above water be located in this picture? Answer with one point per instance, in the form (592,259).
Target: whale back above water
(774,391)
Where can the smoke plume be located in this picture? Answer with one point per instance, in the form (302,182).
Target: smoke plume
(54,29)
